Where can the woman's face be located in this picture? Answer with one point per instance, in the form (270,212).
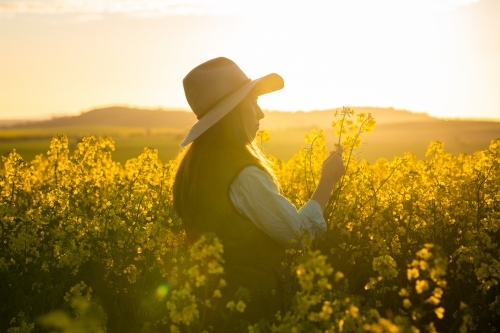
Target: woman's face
(252,114)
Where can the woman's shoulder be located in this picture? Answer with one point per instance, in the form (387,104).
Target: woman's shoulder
(253,174)
(252,170)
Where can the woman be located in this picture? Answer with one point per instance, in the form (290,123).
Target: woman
(224,186)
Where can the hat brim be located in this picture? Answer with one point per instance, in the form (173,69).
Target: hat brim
(261,86)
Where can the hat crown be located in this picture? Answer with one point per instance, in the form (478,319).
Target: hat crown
(210,82)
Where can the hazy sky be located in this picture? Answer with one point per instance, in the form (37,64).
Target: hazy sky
(436,56)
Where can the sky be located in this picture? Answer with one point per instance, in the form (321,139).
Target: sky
(64,57)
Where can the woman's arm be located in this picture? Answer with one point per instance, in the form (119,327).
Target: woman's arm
(255,195)
(331,171)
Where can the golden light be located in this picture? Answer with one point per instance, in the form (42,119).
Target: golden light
(346,57)
(419,55)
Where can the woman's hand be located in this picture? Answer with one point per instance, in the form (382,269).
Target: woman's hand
(331,171)
(333,167)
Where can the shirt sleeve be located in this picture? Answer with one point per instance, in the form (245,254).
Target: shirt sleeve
(255,195)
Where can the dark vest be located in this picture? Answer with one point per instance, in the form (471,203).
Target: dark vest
(253,260)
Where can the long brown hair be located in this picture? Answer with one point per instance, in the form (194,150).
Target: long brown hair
(227,140)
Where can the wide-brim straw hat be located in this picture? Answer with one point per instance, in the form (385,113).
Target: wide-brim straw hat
(216,87)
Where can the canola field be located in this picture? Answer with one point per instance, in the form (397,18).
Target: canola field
(92,245)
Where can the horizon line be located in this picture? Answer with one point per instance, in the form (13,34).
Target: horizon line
(32,118)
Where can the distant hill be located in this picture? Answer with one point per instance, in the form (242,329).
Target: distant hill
(323,118)
(129,117)
(12,122)
(120,116)
(396,132)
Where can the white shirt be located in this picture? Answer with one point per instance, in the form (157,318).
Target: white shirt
(255,195)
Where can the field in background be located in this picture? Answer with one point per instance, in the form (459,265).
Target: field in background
(396,132)
(389,140)
(129,141)
(386,141)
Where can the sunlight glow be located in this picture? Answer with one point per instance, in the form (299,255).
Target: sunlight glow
(390,53)
(337,60)
(434,56)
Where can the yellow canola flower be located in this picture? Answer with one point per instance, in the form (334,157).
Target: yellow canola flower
(433,300)
(324,284)
(338,276)
(253,329)
(386,266)
(222,283)
(314,317)
(240,306)
(217,294)
(424,253)
(413,273)
(439,312)
(436,296)
(215,268)
(423,265)
(353,311)
(230,305)
(404,293)
(182,306)
(383,325)
(421,286)
(326,311)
